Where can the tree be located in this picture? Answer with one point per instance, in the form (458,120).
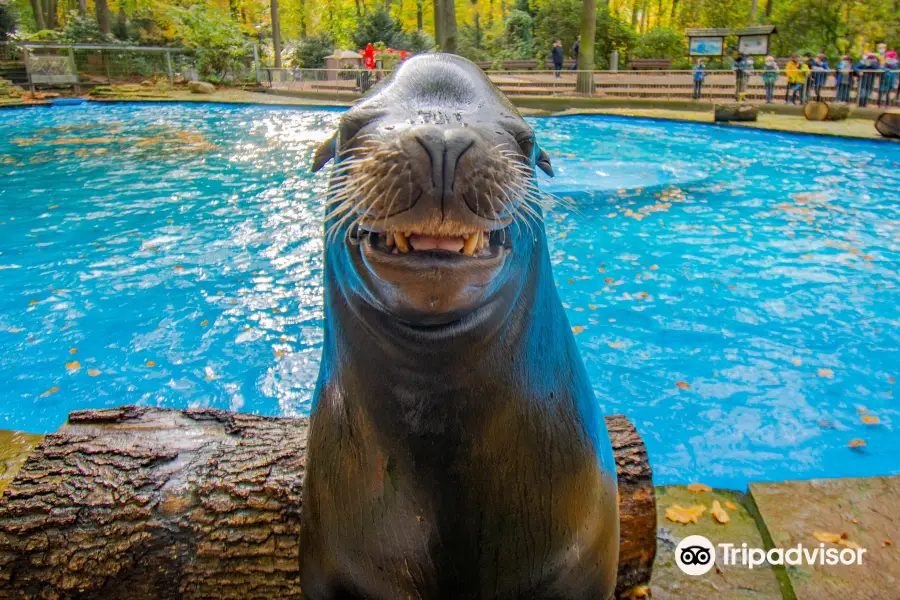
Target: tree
(518,35)
(660,42)
(447,41)
(102,10)
(276,34)
(310,52)
(7,20)
(378,26)
(585,83)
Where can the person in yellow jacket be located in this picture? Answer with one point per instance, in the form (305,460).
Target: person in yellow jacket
(797,72)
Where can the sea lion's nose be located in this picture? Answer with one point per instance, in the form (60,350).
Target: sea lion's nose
(444,147)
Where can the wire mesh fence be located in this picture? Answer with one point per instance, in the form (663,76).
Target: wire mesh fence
(862,87)
(89,64)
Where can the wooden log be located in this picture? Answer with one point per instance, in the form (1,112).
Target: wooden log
(735,111)
(826,111)
(139,503)
(888,125)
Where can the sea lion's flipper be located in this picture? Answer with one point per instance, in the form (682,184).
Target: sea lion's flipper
(324,153)
(543,163)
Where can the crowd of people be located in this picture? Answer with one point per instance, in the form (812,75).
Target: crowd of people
(875,77)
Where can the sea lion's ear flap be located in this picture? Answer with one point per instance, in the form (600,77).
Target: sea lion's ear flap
(324,153)
(543,163)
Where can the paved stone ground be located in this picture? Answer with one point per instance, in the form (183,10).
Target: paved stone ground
(866,511)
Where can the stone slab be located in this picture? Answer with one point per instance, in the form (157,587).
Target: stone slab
(867,510)
(722,582)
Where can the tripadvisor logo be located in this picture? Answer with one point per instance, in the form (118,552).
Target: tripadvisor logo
(696,555)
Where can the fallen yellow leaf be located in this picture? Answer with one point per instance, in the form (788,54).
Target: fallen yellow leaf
(33,302)
(616,345)
(731,505)
(279,354)
(719,513)
(653,267)
(870,420)
(577,329)
(684,385)
(848,544)
(73,366)
(797,362)
(52,390)
(73,350)
(856,443)
(682,515)
(151,363)
(204,323)
(699,487)
(826,373)
(94,372)
(823,536)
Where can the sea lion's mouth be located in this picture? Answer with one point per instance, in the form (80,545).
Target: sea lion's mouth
(483,244)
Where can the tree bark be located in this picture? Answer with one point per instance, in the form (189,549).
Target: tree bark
(102,9)
(38,10)
(448,26)
(438,22)
(754,8)
(735,111)
(139,503)
(52,17)
(585,83)
(420,5)
(276,34)
(769,7)
(82,8)
(888,125)
(826,111)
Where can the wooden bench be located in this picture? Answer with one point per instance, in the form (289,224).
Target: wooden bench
(520,65)
(485,65)
(567,64)
(650,64)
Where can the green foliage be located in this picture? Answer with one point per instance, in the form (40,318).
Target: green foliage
(8,19)
(517,35)
(310,52)
(660,42)
(220,45)
(809,25)
(612,34)
(419,41)
(378,26)
(83,30)
(557,20)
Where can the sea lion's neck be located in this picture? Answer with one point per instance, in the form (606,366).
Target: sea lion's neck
(502,356)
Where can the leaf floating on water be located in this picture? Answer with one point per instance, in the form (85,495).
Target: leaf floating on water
(719,513)
(870,419)
(577,329)
(592,306)
(826,373)
(178,268)
(73,350)
(823,536)
(73,366)
(616,345)
(856,443)
(678,514)
(891,380)
(653,267)
(797,362)
(94,372)
(33,302)
(151,363)
(731,505)
(682,385)
(204,322)
(279,354)
(49,392)
(698,487)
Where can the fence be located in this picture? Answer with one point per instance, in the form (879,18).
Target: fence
(718,85)
(91,64)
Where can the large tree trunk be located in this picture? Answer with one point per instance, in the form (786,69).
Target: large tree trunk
(448,26)
(770,5)
(420,5)
(438,21)
(52,17)
(754,8)
(38,9)
(102,9)
(140,503)
(276,34)
(82,8)
(585,84)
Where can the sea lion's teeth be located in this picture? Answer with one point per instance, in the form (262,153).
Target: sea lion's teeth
(389,239)
(469,247)
(402,241)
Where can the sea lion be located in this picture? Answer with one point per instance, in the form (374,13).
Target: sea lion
(456,449)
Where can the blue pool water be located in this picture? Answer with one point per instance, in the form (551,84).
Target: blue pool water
(735,292)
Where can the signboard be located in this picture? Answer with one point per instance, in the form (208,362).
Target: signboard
(707,46)
(754,45)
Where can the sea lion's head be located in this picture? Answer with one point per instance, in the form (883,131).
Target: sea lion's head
(432,210)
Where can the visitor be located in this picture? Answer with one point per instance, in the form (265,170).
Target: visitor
(866,70)
(741,66)
(810,81)
(365,77)
(889,75)
(819,74)
(843,79)
(770,77)
(797,72)
(576,47)
(881,52)
(699,76)
(557,55)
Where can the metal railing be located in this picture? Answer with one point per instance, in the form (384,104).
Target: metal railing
(716,86)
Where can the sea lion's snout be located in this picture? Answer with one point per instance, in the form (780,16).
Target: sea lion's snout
(433,187)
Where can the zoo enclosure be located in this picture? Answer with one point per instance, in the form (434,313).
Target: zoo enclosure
(718,86)
(49,63)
